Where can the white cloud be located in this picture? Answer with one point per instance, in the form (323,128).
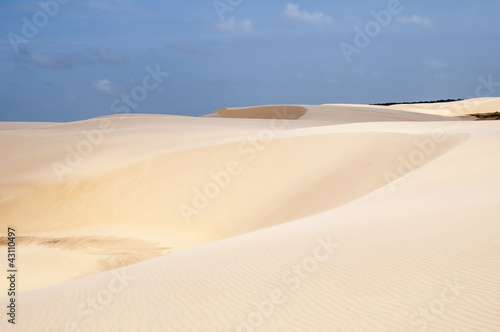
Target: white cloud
(107,87)
(232,25)
(415,19)
(103,85)
(110,57)
(434,64)
(315,18)
(54,60)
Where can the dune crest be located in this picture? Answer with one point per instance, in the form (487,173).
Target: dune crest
(287,112)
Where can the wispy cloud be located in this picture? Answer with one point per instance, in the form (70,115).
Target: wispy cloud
(57,61)
(110,57)
(315,18)
(434,64)
(183,46)
(67,60)
(233,25)
(107,87)
(415,19)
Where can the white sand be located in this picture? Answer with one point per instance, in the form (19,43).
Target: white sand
(406,195)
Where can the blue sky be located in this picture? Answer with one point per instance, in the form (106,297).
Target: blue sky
(86,55)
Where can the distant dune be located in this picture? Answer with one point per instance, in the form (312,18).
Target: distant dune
(267,218)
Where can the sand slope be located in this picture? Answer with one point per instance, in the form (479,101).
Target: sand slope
(457,108)
(334,113)
(325,219)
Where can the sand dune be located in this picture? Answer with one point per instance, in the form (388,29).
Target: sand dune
(273,218)
(288,112)
(456,108)
(335,113)
(24,125)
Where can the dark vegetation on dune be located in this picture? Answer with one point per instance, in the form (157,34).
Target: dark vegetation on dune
(479,116)
(488,116)
(419,102)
